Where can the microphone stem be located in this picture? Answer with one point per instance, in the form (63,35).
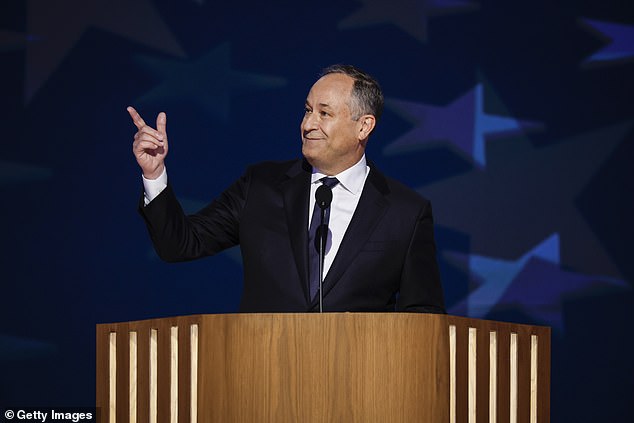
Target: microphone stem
(322,236)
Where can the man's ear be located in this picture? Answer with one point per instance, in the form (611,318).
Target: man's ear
(366,126)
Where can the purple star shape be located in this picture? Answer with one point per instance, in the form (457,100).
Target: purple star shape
(463,123)
(620,40)
(530,193)
(534,284)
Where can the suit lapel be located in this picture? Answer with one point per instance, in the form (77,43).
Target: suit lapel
(295,191)
(371,208)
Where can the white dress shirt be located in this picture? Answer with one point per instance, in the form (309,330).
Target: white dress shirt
(345,198)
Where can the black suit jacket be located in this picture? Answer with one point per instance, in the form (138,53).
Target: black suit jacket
(386,261)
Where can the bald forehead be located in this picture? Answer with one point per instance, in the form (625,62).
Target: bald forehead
(332,89)
(336,79)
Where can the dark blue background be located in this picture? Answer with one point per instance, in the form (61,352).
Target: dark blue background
(536,228)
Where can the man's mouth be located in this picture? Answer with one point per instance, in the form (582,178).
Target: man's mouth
(312,137)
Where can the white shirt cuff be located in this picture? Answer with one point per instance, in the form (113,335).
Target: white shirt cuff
(153,187)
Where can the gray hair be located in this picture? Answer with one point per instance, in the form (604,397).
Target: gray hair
(366,96)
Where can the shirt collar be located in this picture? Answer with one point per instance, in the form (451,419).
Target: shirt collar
(352,179)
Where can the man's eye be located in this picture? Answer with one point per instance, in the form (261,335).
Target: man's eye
(323,114)
(307,110)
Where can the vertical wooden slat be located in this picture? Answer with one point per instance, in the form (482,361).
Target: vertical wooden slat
(493,376)
(513,378)
(452,374)
(112,377)
(504,375)
(534,381)
(102,338)
(123,373)
(523,374)
(184,374)
(164,365)
(193,409)
(153,373)
(462,349)
(543,377)
(173,375)
(482,399)
(143,372)
(133,377)
(472,357)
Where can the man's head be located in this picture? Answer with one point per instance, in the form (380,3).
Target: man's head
(341,111)
(366,97)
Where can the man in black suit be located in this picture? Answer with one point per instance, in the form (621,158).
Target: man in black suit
(380,255)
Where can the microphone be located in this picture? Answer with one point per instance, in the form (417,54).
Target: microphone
(323,198)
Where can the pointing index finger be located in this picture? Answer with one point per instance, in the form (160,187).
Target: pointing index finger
(161,123)
(136,117)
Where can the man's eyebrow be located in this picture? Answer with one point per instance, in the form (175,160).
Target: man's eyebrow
(322,105)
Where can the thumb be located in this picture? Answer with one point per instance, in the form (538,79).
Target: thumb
(161,123)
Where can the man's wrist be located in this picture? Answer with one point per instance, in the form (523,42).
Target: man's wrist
(156,174)
(153,187)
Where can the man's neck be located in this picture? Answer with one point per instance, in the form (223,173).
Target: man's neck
(339,170)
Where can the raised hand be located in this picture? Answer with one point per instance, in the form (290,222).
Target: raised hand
(150,145)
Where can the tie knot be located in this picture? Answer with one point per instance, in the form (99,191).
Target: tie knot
(329,182)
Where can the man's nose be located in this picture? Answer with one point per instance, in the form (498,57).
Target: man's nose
(310,121)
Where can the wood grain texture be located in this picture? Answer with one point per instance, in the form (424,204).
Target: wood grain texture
(133,376)
(483,374)
(543,377)
(102,366)
(323,368)
(123,373)
(462,372)
(333,367)
(503,334)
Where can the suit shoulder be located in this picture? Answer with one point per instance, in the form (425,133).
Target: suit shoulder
(274,170)
(397,190)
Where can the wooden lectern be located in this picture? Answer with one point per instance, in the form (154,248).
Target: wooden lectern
(331,367)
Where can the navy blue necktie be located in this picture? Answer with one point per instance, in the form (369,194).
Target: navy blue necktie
(313,247)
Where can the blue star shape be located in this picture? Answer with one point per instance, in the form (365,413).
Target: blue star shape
(620,40)
(531,193)
(463,123)
(207,80)
(535,283)
(409,15)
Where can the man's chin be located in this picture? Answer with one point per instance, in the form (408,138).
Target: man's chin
(311,155)
(309,147)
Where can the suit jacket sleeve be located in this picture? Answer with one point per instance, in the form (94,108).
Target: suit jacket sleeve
(177,237)
(421,289)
